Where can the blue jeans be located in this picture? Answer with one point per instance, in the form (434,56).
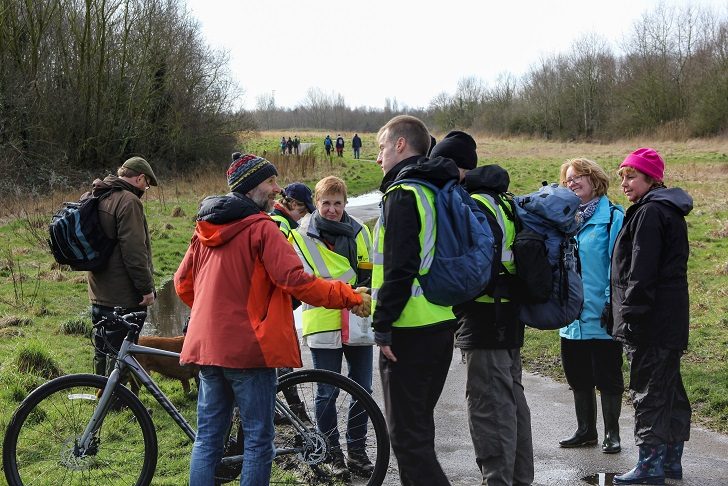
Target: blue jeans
(254,391)
(359,360)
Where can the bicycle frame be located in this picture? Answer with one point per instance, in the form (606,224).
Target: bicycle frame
(125,360)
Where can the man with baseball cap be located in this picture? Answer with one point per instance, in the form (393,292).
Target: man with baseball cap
(127,279)
(240,272)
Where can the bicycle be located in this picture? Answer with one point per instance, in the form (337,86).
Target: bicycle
(88,429)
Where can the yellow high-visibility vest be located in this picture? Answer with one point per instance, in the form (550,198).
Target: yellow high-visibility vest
(283,224)
(418,312)
(320,261)
(508,228)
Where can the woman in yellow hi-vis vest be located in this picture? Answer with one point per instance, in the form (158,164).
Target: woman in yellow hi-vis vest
(333,245)
(295,203)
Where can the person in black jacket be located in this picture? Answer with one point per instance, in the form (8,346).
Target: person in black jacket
(356,145)
(415,337)
(490,334)
(650,314)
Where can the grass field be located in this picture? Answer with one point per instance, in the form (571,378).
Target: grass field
(44,320)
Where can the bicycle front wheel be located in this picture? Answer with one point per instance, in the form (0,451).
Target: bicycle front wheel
(347,420)
(41,441)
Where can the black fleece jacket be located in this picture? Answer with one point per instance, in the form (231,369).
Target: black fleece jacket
(402,242)
(649,283)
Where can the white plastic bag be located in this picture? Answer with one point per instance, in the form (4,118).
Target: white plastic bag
(355,330)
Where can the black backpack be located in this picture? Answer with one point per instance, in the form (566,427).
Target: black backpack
(76,237)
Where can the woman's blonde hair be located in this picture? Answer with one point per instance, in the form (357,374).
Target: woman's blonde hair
(329,185)
(585,167)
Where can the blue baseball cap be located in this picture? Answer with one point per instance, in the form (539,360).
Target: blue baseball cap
(300,192)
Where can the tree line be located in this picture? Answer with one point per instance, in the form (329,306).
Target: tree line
(85,84)
(669,78)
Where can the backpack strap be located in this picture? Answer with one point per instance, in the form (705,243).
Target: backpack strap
(612,208)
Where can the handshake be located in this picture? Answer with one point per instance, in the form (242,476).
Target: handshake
(365,308)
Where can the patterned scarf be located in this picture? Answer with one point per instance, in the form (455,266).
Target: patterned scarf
(586,211)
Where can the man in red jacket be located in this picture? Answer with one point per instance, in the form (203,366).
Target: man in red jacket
(238,276)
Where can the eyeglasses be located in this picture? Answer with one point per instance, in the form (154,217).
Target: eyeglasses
(574,179)
(146,181)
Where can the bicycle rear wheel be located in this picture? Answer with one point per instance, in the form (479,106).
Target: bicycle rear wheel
(359,424)
(40,442)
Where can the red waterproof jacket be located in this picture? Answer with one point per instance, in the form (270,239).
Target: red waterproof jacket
(238,277)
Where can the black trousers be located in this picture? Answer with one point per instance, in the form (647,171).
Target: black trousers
(661,407)
(412,387)
(590,363)
(105,350)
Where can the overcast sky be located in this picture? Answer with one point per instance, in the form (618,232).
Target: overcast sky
(410,50)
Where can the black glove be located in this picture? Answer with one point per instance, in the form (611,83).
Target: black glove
(634,333)
(606,317)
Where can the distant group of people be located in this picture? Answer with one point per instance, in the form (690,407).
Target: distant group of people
(339,143)
(250,255)
(289,146)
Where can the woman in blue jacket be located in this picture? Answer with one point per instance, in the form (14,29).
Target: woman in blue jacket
(590,357)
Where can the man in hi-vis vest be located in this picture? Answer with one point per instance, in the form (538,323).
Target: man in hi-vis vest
(490,334)
(415,336)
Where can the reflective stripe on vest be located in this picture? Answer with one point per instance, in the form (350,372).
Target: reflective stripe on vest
(283,224)
(329,265)
(508,228)
(418,311)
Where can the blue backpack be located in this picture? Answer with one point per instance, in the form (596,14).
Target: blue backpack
(546,256)
(463,255)
(75,235)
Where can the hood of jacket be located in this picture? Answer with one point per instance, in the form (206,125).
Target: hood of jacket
(487,178)
(114,182)
(673,197)
(437,171)
(220,218)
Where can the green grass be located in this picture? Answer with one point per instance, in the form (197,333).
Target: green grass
(44,307)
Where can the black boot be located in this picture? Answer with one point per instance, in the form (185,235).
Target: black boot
(611,408)
(359,462)
(585,404)
(338,463)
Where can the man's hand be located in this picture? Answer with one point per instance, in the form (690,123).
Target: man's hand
(387,352)
(365,308)
(147,299)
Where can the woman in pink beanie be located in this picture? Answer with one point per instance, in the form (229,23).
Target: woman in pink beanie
(650,314)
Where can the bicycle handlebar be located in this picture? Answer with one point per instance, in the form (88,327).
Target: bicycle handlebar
(123,320)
